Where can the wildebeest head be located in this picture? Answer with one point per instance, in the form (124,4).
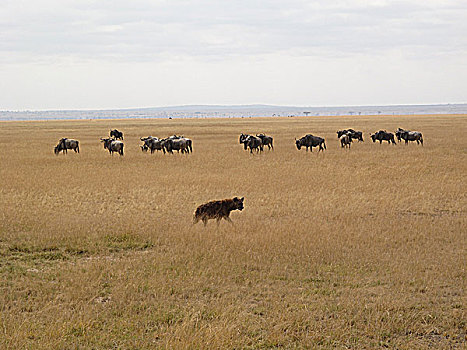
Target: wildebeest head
(298,143)
(107,142)
(60,146)
(373,137)
(243,138)
(238,203)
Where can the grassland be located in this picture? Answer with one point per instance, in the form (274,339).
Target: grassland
(359,248)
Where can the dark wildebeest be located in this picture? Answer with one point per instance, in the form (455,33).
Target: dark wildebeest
(254,143)
(65,144)
(117,134)
(383,135)
(398,133)
(178,144)
(152,143)
(266,140)
(412,136)
(217,210)
(113,145)
(354,135)
(310,141)
(345,140)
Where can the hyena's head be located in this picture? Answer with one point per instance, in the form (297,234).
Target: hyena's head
(238,203)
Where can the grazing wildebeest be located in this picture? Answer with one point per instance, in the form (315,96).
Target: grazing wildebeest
(383,135)
(412,136)
(152,143)
(354,135)
(64,144)
(266,140)
(217,210)
(113,145)
(310,141)
(254,143)
(345,140)
(117,134)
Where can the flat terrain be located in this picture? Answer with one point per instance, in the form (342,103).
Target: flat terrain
(359,248)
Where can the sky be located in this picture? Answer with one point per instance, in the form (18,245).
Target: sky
(106,54)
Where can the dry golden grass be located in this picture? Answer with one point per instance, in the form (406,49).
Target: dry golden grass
(348,249)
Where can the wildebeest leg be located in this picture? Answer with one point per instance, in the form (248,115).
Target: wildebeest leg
(205,221)
(228,219)
(218,220)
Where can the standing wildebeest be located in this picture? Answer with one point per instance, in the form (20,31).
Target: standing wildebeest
(411,136)
(217,210)
(310,141)
(64,144)
(113,145)
(266,140)
(345,140)
(354,135)
(185,145)
(254,143)
(398,133)
(383,135)
(117,134)
(152,143)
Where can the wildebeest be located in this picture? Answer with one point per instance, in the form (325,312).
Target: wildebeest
(310,141)
(345,140)
(412,136)
(185,145)
(64,144)
(152,143)
(113,145)
(383,135)
(266,140)
(253,143)
(117,134)
(354,135)
(217,210)
(398,133)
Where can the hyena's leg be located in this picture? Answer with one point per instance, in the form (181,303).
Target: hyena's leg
(205,221)
(218,220)
(228,219)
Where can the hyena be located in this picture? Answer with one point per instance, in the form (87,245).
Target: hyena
(217,210)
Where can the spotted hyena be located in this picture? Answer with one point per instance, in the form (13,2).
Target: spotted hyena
(217,210)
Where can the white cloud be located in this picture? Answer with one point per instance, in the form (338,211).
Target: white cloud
(268,44)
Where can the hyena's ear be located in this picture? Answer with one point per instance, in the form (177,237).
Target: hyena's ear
(242,199)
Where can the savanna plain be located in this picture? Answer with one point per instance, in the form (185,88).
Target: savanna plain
(353,249)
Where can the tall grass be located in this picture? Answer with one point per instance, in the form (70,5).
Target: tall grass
(359,248)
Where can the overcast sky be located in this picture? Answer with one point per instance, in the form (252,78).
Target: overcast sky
(97,54)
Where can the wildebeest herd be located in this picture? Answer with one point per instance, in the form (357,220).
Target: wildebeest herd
(220,209)
(256,143)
